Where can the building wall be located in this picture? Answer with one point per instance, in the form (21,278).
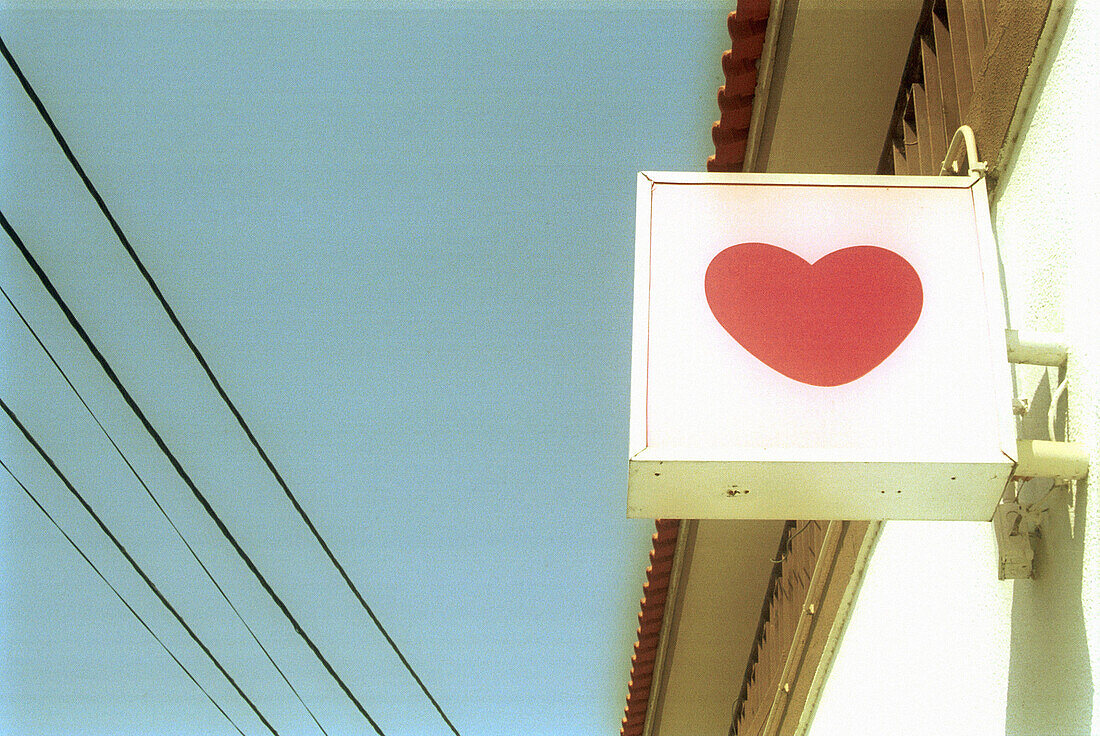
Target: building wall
(936,644)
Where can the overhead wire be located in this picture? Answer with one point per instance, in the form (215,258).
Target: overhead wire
(44,114)
(126,603)
(134,563)
(157,503)
(184,476)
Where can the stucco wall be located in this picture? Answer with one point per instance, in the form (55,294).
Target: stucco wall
(936,644)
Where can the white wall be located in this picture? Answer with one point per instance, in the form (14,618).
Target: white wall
(936,644)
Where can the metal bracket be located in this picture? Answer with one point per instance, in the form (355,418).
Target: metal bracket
(1016,525)
(1061,461)
(1036,348)
(1015,553)
(964,136)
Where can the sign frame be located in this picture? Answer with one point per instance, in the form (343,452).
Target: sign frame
(666,480)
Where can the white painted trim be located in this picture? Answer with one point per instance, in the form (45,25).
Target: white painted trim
(810,607)
(639,363)
(837,180)
(801,490)
(764,70)
(840,624)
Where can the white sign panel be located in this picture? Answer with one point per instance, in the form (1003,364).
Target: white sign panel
(817,347)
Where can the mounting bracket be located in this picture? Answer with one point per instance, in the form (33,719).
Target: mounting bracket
(1036,348)
(1015,524)
(962,140)
(1015,552)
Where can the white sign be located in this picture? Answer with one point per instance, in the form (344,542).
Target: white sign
(817,347)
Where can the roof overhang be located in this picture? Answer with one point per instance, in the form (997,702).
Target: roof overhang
(825,77)
(832,75)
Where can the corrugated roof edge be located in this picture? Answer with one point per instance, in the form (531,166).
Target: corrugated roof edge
(654,595)
(747,26)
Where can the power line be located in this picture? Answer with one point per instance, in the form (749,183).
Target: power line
(157,503)
(174,461)
(114,590)
(213,379)
(133,563)
(179,469)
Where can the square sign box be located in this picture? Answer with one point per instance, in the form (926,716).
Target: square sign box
(817,347)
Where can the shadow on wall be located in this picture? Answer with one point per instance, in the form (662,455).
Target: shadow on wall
(1049,676)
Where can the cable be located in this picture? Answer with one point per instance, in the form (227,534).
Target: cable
(174,461)
(134,564)
(164,513)
(119,595)
(787,542)
(213,380)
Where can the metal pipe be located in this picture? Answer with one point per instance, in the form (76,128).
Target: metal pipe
(1036,348)
(963,136)
(1044,459)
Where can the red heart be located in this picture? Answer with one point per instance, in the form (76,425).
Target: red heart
(826,323)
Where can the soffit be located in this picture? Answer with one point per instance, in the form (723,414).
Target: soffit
(716,618)
(836,73)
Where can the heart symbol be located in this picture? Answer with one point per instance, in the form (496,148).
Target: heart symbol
(826,323)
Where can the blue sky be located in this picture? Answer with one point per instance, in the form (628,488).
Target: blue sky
(402,236)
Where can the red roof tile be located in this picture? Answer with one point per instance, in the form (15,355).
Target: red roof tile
(730,134)
(655,593)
